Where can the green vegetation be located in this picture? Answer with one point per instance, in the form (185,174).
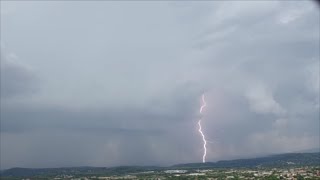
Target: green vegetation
(287,166)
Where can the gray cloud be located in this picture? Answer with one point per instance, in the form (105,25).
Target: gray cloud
(120,85)
(16,79)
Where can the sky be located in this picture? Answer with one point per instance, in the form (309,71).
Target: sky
(108,83)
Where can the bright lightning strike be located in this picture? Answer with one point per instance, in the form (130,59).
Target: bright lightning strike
(200,131)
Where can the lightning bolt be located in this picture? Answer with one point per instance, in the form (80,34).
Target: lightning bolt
(200,130)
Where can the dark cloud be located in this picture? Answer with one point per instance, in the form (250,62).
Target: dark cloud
(16,78)
(119,137)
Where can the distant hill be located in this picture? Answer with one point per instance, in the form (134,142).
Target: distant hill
(281,160)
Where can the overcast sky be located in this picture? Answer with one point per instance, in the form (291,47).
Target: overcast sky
(119,83)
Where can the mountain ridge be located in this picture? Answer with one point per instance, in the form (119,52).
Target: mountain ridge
(279,160)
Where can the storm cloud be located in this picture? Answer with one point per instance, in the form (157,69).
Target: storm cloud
(119,83)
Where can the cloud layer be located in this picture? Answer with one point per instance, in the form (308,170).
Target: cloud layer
(121,83)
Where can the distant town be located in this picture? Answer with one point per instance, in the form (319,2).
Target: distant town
(211,174)
(291,166)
